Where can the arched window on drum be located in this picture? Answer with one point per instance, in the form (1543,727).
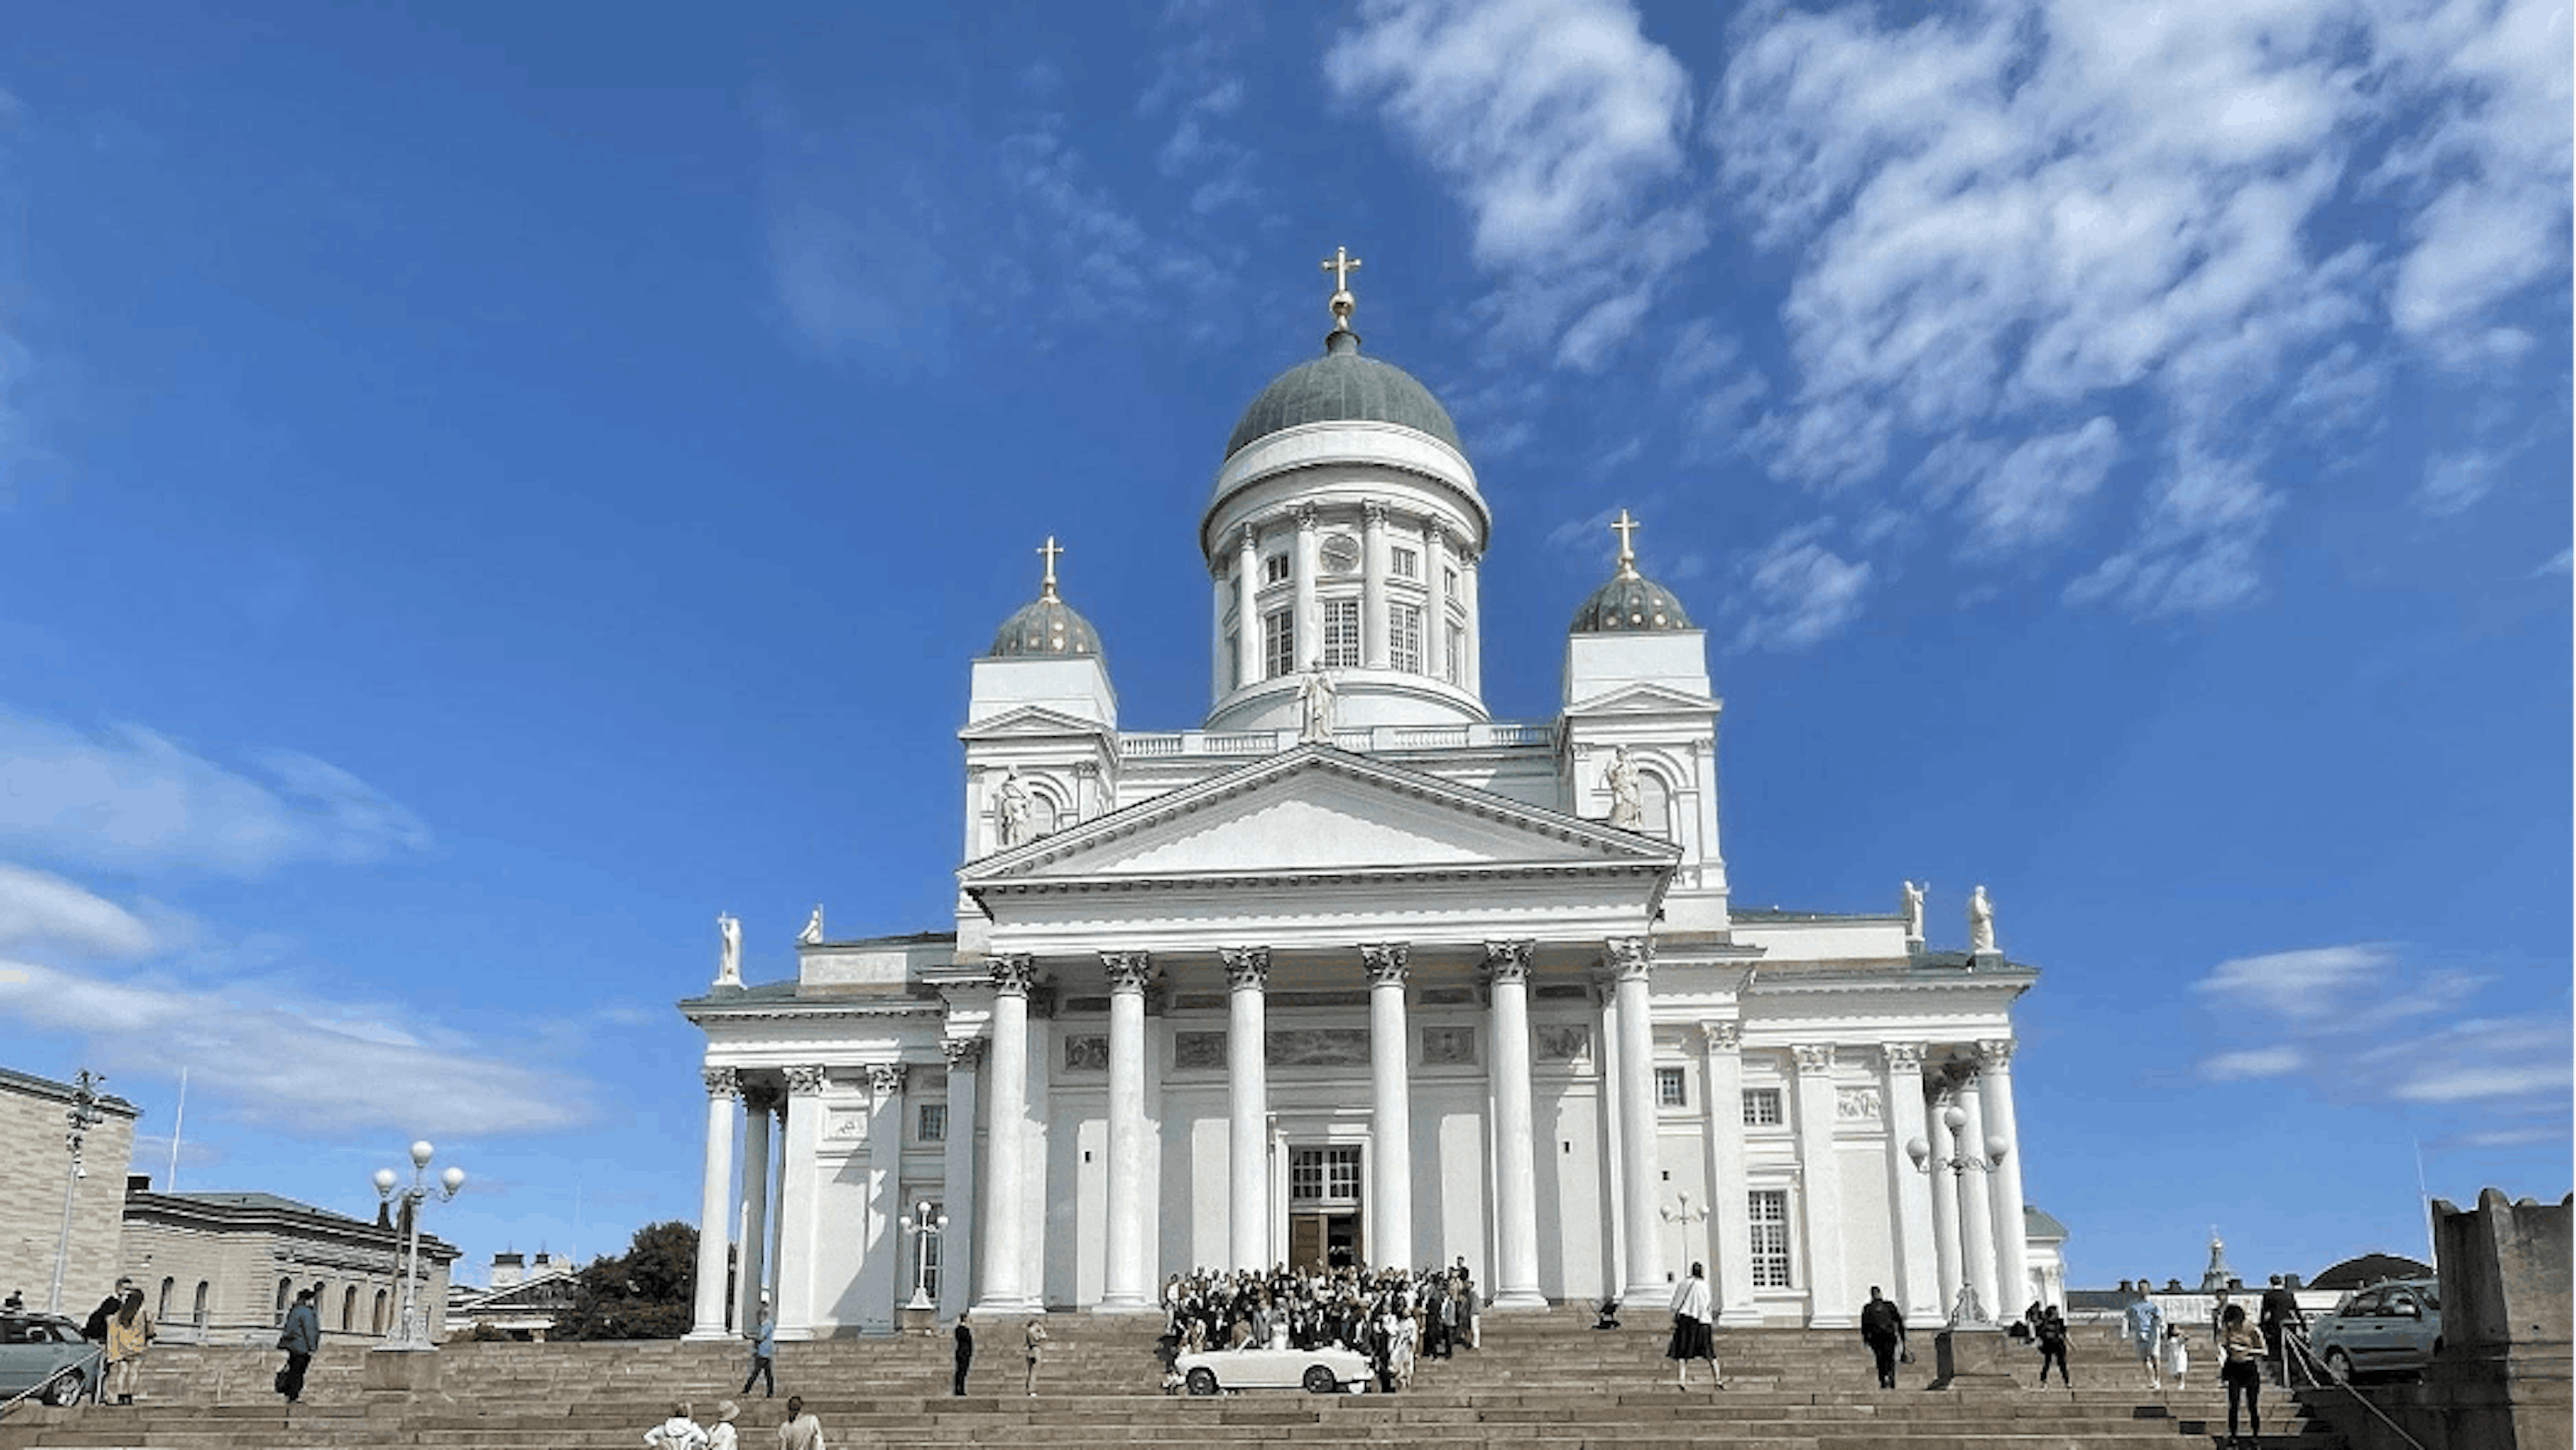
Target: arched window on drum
(1654,805)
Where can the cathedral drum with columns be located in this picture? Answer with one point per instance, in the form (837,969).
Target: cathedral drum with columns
(1354,973)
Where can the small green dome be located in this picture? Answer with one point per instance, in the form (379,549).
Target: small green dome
(1343,386)
(1046,627)
(1631,603)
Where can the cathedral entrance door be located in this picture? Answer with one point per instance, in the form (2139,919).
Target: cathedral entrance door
(1324,1208)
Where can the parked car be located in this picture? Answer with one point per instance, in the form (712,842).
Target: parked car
(45,1353)
(1320,1371)
(2393,1328)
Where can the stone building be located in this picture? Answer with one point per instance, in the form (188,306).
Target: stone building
(1354,971)
(222,1268)
(35,1167)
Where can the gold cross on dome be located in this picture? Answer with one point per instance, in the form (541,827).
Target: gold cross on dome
(1050,549)
(1625,526)
(1342,264)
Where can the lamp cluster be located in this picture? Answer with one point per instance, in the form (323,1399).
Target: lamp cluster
(413,1333)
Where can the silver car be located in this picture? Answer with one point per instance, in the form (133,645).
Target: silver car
(45,1354)
(1334,1370)
(2393,1328)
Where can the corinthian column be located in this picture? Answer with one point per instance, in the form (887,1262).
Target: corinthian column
(2012,1249)
(801,1145)
(1006,1260)
(715,1204)
(1310,617)
(1631,968)
(1730,1222)
(1947,1258)
(957,1177)
(1976,1220)
(1828,1296)
(1918,1282)
(1247,972)
(1123,1283)
(1247,612)
(756,1208)
(1390,1118)
(881,1279)
(1516,1174)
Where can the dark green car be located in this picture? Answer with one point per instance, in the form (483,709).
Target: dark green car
(45,1354)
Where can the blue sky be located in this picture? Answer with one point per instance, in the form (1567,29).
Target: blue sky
(486,489)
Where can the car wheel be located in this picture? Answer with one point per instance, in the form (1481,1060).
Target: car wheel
(65,1388)
(1202,1381)
(2339,1366)
(1320,1381)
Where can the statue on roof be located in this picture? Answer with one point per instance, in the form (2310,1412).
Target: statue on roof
(1627,803)
(1315,704)
(1981,922)
(729,958)
(1011,810)
(1914,910)
(813,932)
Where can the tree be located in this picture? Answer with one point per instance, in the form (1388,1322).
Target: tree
(647,1292)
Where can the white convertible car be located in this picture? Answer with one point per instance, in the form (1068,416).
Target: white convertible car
(1322,1371)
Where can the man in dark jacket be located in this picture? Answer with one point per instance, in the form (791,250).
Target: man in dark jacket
(2280,1310)
(1882,1328)
(95,1330)
(301,1339)
(965,1351)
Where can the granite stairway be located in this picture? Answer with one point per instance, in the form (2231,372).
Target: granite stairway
(1540,1382)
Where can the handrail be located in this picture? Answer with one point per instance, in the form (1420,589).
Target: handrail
(2308,1362)
(89,1385)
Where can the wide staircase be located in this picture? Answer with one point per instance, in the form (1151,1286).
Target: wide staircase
(1541,1382)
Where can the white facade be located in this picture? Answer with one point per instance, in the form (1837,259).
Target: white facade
(1398,991)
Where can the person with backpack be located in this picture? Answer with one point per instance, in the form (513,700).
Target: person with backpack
(1882,1328)
(2051,1335)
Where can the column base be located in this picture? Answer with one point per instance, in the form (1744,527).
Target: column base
(1010,1308)
(1127,1307)
(1740,1316)
(408,1371)
(1973,1357)
(1515,1301)
(708,1336)
(1655,1293)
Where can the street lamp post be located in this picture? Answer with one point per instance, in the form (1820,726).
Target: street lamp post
(1966,1310)
(1685,1216)
(414,1334)
(83,1115)
(927,1230)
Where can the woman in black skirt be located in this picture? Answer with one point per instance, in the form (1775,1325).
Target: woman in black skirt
(1694,1336)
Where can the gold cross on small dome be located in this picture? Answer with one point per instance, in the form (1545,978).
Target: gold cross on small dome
(1050,549)
(1342,264)
(1624,527)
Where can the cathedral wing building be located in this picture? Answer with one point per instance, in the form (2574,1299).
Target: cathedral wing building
(1355,973)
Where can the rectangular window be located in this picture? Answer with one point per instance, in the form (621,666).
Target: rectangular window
(1761,1107)
(1449,583)
(1456,666)
(1408,562)
(1668,1088)
(1274,569)
(1324,1175)
(933,1126)
(1768,1208)
(1404,647)
(1341,634)
(1279,643)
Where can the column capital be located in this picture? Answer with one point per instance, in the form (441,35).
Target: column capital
(758,1097)
(1014,974)
(1373,511)
(1902,1056)
(963,1053)
(805,1080)
(1246,968)
(1995,1054)
(1815,1059)
(1385,962)
(1306,516)
(1630,958)
(1128,971)
(1507,961)
(885,1079)
(1251,539)
(722,1082)
(1721,1036)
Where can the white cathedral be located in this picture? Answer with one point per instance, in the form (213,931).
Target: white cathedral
(1354,972)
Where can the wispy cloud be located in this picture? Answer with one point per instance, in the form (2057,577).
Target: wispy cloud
(1562,129)
(37,909)
(129,796)
(274,1056)
(1798,592)
(1200,86)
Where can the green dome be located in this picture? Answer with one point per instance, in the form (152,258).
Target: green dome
(1631,603)
(1342,386)
(1047,627)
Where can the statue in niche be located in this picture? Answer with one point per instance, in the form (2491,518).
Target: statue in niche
(729,962)
(813,932)
(1914,910)
(1011,810)
(1627,801)
(1981,922)
(1315,705)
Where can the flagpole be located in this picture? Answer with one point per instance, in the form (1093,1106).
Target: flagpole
(177,1120)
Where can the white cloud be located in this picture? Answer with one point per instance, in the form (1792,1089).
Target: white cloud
(1798,592)
(2020,499)
(1556,122)
(2258,1062)
(2454,481)
(299,1063)
(2558,563)
(39,909)
(2312,983)
(2005,221)
(131,797)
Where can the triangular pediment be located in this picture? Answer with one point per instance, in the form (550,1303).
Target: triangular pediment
(1318,811)
(1031,722)
(1643,699)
